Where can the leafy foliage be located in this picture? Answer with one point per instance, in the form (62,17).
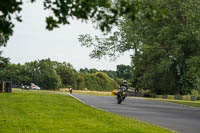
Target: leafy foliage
(66,72)
(52,75)
(100,81)
(105,13)
(42,73)
(124,72)
(166,51)
(3,61)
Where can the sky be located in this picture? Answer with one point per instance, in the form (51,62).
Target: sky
(31,41)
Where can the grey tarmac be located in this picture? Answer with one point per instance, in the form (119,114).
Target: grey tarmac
(176,117)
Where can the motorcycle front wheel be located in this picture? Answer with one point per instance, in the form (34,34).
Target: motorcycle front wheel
(119,101)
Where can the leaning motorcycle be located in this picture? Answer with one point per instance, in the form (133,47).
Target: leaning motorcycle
(121,95)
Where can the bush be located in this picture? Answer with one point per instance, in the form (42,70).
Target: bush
(99,81)
(195,93)
(50,80)
(198,97)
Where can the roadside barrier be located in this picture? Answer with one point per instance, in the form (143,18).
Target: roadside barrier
(176,97)
(5,86)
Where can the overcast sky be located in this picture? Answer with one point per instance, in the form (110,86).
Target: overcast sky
(31,41)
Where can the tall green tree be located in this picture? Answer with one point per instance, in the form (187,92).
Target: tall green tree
(14,73)
(124,72)
(67,73)
(42,73)
(3,61)
(164,49)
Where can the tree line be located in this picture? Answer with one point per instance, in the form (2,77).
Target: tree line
(53,75)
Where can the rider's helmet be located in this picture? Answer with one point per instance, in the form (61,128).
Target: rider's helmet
(124,82)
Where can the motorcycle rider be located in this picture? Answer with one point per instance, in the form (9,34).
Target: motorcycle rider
(123,88)
(124,85)
(70,89)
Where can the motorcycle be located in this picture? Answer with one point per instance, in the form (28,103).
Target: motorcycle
(121,95)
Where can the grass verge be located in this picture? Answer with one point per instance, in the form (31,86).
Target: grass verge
(100,93)
(183,102)
(42,112)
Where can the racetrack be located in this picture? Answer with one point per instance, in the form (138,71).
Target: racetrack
(180,118)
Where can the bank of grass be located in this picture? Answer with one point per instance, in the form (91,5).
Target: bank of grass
(101,93)
(43,112)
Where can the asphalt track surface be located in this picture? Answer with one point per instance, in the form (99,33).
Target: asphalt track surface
(179,118)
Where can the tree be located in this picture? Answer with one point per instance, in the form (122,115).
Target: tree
(66,72)
(14,73)
(124,71)
(164,49)
(99,81)
(48,77)
(86,70)
(110,73)
(168,45)
(42,73)
(8,9)
(3,62)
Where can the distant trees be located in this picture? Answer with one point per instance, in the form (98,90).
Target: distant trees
(52,75)
(45,74)
(40,72)
(66,72)
(11,72)
(99,81)
(111,73)
(86,70)
(124,72)
(3,61)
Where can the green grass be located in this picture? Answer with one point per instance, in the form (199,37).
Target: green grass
(183,102)
(42,112)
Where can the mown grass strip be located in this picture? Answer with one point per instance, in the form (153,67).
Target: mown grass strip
(183,102)
(100,93)
(42,112)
